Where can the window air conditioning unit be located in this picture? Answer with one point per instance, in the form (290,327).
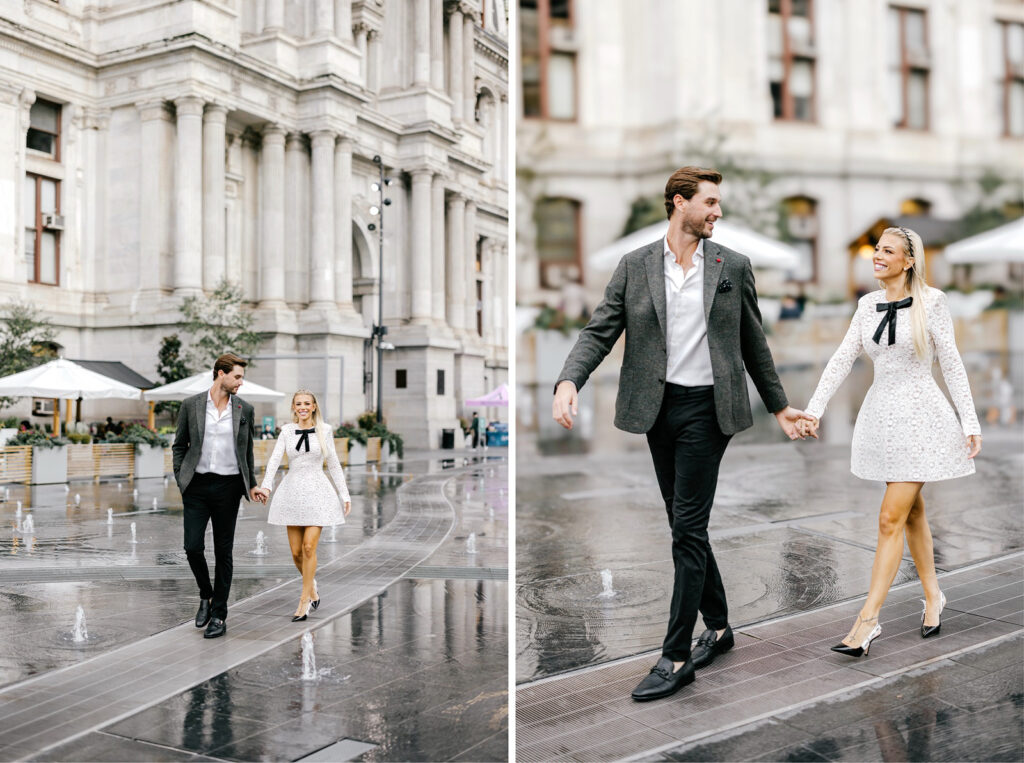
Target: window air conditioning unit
(42,406)
(53,222)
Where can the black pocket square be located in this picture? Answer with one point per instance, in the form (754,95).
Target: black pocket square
(243,421)
(724,285)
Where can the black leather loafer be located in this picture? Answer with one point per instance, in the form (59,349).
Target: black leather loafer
(217,627)
(662,681)
(710,645)
(203,615)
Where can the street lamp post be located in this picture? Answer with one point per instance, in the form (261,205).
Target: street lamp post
(380,330)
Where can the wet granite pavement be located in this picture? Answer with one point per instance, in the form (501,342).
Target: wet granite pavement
(417,671)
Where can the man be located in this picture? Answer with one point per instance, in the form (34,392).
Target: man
(689,310)
(214,468)
(474,427)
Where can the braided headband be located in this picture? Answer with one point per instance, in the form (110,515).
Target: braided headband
(910,243)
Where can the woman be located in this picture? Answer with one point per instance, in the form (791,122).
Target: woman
(305,501)
(906,433)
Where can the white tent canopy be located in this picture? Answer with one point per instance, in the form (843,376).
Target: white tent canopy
(763,252)
(496,397)
(1002,244)
(65,380)
(201,382)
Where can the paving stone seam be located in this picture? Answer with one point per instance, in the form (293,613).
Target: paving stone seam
(770,621)
(159,746)
(827,696)
(416,486)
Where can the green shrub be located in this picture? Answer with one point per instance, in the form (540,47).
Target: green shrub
(80,439)
(139,435)
(37,439)
(367,420)
(11,422)
(354,434)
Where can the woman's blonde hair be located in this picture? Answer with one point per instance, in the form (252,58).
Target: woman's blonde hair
(318,420)
(914,283)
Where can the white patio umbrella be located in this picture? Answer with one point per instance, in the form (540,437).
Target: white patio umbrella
(64,380)
(1002,244)
(194,385)
(764,252)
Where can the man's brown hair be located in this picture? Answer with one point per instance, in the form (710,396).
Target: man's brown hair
(226,362)
(685,181)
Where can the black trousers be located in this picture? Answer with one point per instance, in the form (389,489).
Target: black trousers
(212,497)
(687,446)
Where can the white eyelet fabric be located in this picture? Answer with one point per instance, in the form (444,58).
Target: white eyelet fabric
(305,496)
(906,430)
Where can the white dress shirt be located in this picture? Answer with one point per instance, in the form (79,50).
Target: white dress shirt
(689,359)
(218,454)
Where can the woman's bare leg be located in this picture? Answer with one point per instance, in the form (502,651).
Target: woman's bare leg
(310,539)
(919,539)
(295,544)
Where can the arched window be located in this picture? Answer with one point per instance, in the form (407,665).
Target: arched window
(558,241)
(800,218)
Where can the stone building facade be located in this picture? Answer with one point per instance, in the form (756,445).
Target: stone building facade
(858,111)
(158,147)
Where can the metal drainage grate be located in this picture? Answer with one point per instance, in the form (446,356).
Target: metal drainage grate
(343,749)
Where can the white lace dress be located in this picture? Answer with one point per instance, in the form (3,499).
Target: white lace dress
(906,430)
(305,496)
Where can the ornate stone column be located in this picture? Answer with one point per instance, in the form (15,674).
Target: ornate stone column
(361,31)
(214,261)
(321,271)
(469,267)
(455,56)
(343,19)
(154,182)
(437,231)
(420,245)
(272,218)
(373,61)
(343,270)
(188,197)
(273,16)
(296,224)
(456,272)
(323,21)
(469,97)
(437,45)
(421,42)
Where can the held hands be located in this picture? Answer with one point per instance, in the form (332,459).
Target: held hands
(795,423)
(348,507)
(565,404)
(259,495)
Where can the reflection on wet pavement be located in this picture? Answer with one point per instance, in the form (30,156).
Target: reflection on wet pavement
(792,530)
(964,708)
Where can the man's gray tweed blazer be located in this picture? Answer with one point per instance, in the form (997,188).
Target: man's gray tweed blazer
(634,302)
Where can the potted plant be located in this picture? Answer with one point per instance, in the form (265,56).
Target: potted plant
(49,456)
(8,428)
(149,449)
(356,443)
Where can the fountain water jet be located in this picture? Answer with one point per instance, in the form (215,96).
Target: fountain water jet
(155,504)
(28,526)
(78,499)
(607,591)
(308,658)
(261,545)
(110,516)
(80,633)
(471,544)
(133,540)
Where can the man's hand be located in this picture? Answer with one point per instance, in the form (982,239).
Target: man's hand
(259,495)
(565,404)
(788,418)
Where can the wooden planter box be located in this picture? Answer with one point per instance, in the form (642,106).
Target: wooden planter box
(373,451)
(49,465)
(341,448)
(149,462)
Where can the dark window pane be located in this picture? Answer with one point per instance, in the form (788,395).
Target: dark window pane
(774,6)
(560,9)
(527,5)
(917,100)
(801,8)
(556,230)
(40,141)
(44,116)
(400,378)
(777,99)
(529,37)
(440,382)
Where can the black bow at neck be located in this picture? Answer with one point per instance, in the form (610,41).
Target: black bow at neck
(889,308)
(303,438)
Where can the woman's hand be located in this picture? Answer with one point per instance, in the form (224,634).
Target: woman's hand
(808,427)
(973,445)
(348,507)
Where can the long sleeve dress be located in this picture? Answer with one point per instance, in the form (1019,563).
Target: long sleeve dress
(305,496)
(906,430)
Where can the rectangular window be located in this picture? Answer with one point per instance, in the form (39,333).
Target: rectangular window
(440,381)
(909,68)
(547,59)
(558,242)
(791,57)
(44,129)
(1010,77)
(401,381)
(42,224)
(479,308)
